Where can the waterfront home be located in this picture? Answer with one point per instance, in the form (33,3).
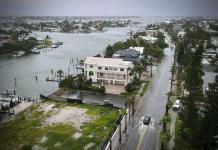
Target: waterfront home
(108,70)
(128,55)
(149,39)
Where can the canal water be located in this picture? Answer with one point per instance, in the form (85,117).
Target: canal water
(78,45)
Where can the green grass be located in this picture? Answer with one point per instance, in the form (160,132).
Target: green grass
(145,88)
(26,129)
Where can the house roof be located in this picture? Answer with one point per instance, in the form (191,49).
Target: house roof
(127,55)
(100,61)
(139,49)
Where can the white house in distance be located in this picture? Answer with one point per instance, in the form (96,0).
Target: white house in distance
(151,33)
(108,70)
(149,39)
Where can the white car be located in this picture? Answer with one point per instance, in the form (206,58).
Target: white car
(14,99)
(4,105)
(177,105)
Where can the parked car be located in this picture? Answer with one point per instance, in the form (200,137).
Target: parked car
(15,99)
(8,100)
(4,105)
(107,102)
(146,120)
(177,105)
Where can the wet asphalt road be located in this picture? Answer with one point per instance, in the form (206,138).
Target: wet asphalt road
(145,137)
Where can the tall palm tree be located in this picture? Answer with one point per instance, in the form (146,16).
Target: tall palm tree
(137,70)
(60,73)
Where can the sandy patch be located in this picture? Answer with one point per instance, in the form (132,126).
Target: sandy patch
(37,147)
(46,107)
(43,139)
(90,136)
(57,144)
(88,146)
(77,135)
(75,116)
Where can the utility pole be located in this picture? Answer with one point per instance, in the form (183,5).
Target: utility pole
(125,117)
(133,106)
(151,67)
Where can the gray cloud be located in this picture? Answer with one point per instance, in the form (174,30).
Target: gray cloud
(109,7)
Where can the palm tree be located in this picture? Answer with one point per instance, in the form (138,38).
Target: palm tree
(137,70)
(60,73)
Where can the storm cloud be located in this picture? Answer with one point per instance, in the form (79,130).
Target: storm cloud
(109,7)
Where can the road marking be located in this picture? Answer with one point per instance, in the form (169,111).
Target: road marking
(140,140)
(157,88)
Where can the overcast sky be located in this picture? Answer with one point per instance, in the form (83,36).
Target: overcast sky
(109,7)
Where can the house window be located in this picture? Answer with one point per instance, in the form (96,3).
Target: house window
(91,66)
(99,68)
(115,69)
(106,68)
(101,74)
(111,69)
(121,69)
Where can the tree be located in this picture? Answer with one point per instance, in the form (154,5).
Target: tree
(109,51)
(194,73)
(130,87)
(60,73)
(67,82)
(190,121)
(193,84)
(137,70)
(210,118)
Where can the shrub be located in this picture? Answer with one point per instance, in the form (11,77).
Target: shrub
(130,87)
(67,82)
(97,89)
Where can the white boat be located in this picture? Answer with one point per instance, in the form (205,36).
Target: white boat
(54,46)
(35,51)
(19,54)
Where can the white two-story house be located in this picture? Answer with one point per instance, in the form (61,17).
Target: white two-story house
(108,70)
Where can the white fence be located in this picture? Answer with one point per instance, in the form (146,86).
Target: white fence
(119,133)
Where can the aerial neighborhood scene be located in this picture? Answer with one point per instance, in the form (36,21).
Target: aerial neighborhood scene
(109,75)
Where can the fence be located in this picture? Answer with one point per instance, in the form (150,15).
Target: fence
(119,133)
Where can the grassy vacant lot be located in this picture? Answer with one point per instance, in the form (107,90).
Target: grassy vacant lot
(30,129)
